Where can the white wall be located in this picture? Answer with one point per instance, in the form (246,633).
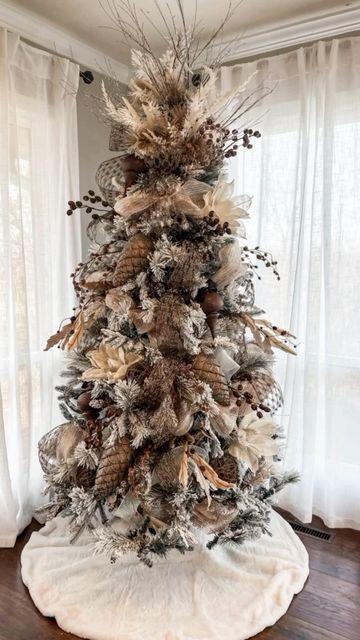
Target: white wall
(93,141)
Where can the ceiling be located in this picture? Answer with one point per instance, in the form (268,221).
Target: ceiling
(87,20)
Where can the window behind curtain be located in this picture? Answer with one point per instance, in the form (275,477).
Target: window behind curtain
(304,176)
(39,248)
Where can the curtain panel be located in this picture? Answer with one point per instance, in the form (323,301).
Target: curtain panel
(39,246)
(304,176)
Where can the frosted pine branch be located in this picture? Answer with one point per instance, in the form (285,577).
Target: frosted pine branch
(111,543)
(86,457)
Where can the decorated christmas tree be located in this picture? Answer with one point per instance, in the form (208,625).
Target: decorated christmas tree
(169,392)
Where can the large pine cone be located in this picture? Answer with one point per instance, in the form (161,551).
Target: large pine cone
(133,259)
(208,370)
(113,467)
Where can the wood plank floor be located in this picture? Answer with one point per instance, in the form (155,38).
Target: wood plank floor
(327,608)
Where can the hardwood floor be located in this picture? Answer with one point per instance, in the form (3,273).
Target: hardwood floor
(327,608)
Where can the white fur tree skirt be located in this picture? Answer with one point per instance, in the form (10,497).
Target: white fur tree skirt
(227,593)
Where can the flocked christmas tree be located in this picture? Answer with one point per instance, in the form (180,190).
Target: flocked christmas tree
(169,394)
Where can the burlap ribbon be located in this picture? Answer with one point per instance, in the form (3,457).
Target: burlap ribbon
(186,198)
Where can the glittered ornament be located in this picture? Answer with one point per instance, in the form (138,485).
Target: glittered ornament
(133,259)
(47,447)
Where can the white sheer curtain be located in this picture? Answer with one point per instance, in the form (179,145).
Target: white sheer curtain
(39,247)
(304,174)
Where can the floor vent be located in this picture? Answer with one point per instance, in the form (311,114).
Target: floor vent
(311,531)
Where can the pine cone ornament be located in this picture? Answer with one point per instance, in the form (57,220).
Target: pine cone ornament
(113,467)
(133,259)
(208,370)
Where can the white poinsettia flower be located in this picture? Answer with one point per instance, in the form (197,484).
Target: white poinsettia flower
(227,207)
(109,363)
(254,440)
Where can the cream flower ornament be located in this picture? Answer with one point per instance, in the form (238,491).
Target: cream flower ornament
(109,363)
(254,441)
(227,207)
